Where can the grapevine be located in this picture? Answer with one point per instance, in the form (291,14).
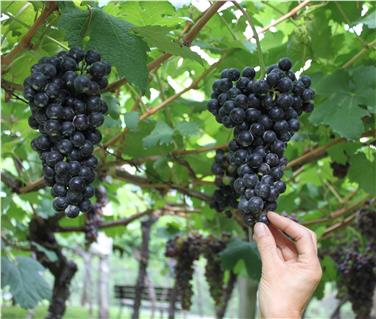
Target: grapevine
(186,251)
(366,222)
(64,97)
(214,272)
(356,265)
(93,217)
(265,115)
(340,170)
(357,277)
(224,196)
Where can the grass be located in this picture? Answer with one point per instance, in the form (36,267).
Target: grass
(72,312)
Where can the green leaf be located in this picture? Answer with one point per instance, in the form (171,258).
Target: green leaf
(245,45)
(162,134)
(150,13)
(364,80)
(369,20)
(157,36)
(45,209)
(345,11)
(51,255)
(23,276)
(329,274)
(239,250)
(341,152)
(113,105)
(319,33)
(363,172)
(340,109)
(131,120)
(73,22)
(110,36)
(187,128)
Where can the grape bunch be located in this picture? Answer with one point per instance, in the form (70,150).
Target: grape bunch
(63,92)
(224,196)
(264,115)
(93,219)
(93,216)
(185,250)
(340,170)
(214,272)
(291,216)
(366,222)
(357,277)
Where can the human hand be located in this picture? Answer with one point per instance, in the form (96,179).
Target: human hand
(291,269)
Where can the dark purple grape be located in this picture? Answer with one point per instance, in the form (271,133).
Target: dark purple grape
(60,204)
(285,64)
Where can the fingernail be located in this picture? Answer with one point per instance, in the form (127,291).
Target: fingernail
(260,229)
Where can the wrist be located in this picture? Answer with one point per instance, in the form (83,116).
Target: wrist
(281,313)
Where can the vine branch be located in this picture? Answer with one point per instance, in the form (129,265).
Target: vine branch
(143,182)
(11,87)
(126,221)
(26,39)
(306,158)
(320,151)
(187,39)
(337,213)
(166,102)
(357,56)
(342,224)
(255,35)
(288,15)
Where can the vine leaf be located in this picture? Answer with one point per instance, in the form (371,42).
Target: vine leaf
(340,108)
(340,152)
(131,119)
(149,13)
(363,172)
(112,37)
(347,11)
(113,105)
(369,20)
(238,250)
(50,254)
(329,274)
(365,82)
(72,21)
(162,134)
(23,276)
(157,36)
(187,128)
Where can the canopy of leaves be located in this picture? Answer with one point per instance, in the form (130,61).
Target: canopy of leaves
(170,151)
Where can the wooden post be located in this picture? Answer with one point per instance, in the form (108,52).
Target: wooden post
(247,298)
(221,309)
(143,264)
(41,231)
(103,283)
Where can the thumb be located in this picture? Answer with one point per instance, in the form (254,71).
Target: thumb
(265,244)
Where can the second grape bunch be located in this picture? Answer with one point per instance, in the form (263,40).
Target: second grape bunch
(264,114)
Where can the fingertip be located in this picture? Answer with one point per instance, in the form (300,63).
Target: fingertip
(260,230)
(272,215)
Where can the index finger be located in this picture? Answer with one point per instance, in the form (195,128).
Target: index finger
(301,235)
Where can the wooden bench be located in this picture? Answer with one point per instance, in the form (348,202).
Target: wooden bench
(156,298)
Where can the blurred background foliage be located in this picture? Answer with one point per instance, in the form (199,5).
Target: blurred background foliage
(164,156)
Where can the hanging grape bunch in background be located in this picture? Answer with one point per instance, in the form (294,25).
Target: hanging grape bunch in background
(265,115)
(64,97)
(356,262)
(224,196)
(185,250)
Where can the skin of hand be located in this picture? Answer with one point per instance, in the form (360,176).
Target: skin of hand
(291,269)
